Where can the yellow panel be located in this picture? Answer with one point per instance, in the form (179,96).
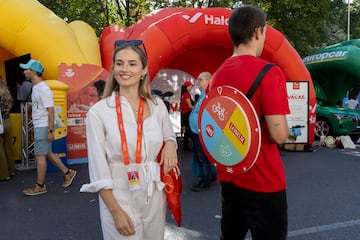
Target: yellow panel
(241,124)
(16,124)
(59,90)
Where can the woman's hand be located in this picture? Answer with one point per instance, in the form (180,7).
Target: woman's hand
(123,223)
(169,156)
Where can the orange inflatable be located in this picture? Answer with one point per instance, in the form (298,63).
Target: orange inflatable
(195,39)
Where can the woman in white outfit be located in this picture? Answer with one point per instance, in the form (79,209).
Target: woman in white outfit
(125,132)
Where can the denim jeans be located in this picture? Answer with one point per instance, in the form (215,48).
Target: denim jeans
(206,170)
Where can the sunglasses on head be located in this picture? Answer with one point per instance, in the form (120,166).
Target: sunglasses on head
(136,42)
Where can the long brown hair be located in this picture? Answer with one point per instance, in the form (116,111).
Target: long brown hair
(6,100)
(4,92)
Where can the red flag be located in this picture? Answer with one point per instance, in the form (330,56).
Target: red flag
(173,189)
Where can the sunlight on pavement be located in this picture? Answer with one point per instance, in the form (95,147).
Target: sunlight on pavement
(324,228)
(174,233)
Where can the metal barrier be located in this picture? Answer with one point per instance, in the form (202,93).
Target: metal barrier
(27,139)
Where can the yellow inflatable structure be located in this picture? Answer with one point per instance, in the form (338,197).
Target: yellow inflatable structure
(29,27)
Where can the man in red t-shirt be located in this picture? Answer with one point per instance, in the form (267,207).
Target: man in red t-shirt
(255,200)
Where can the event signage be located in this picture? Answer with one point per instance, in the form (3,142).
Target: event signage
(326,56)
(208,19)
(229,130)
(80,97)
(298,96)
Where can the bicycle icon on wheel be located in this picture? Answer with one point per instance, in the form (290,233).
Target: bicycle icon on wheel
(220,111)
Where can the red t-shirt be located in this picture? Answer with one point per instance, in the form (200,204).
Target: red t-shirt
(267,174)
(184,107)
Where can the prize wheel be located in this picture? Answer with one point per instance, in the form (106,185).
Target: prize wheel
(229,130)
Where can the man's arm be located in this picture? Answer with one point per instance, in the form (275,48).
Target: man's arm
(51,119)
(189,103)
(278,128)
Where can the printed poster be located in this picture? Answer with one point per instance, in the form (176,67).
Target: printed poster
(80,97)
(298,95)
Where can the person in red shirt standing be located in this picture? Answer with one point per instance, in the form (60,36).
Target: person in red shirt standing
(187,105)
(255,200)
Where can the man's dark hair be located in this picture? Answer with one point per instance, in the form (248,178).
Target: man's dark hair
(99,85)
(39,74)
(243,22)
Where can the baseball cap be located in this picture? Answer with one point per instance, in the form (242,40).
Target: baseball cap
(188,83)
(33,65)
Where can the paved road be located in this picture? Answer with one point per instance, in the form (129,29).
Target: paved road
(323,198)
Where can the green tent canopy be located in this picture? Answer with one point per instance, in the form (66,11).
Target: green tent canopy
(336,68)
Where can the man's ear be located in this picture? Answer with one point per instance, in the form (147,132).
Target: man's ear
(257,33)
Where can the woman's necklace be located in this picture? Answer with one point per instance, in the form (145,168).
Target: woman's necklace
(134,107)
(135,110)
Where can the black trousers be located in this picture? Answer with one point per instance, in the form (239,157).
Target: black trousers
(264,214)
(187,133)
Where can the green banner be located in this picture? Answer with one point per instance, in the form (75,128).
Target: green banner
(336,68)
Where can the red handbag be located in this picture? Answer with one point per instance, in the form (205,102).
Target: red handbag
(173,189)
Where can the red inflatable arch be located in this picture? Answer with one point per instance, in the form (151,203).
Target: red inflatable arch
(197,39)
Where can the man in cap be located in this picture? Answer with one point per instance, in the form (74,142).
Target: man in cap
(43,116)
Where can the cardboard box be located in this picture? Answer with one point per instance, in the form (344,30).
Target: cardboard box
(294,146)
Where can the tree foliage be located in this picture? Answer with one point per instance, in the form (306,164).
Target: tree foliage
(306,24)
(355,19)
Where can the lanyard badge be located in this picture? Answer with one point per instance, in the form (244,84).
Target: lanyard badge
(133,173)
(133,179)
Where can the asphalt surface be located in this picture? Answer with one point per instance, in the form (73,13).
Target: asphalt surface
(323,198)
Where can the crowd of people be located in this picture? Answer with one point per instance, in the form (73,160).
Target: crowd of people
(129,128)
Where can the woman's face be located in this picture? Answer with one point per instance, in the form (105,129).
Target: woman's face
(189,88)
(128,68)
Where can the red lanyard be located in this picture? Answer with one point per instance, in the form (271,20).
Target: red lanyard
(124,146)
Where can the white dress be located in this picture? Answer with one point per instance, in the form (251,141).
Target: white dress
(146,206)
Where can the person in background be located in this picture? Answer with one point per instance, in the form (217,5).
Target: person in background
(186,106)
(255,200)
(352,102)
(126,130)
(207,172)
(24,91)
(164,96)
(23,95)
(99,86)
(43,116)
(7,161)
